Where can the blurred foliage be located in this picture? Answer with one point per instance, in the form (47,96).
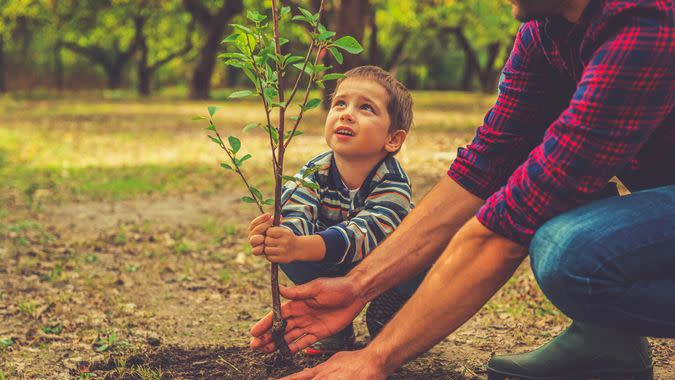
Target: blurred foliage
(36,32)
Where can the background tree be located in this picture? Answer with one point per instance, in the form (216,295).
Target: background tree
(212,24)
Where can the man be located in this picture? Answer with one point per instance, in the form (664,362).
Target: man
(588,94)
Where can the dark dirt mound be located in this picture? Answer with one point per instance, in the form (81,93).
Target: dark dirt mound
(213,362)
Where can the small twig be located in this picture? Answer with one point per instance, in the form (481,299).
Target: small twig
(238,170)
(222,360)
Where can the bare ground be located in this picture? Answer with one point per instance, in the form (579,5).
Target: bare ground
(164,287)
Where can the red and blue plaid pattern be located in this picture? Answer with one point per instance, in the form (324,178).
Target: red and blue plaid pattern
(588,102)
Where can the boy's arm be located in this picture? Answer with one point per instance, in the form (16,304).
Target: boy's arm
(384,209)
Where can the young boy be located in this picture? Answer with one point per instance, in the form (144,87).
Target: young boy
(363,194)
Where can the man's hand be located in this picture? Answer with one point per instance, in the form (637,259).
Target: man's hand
(345,365)
(316,310)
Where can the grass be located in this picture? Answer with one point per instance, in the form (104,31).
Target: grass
(82,148)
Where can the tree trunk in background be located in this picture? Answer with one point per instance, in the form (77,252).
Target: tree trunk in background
(142,64)
(214,26)
(58,65)
(350,19)
(373,47)
(489,76)
(3,86)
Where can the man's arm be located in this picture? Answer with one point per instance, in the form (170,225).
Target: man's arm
(418,241)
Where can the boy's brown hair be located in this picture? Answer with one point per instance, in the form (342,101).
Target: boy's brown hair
(400,101)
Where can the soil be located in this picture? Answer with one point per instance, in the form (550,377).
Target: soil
(168,283)
(242,364)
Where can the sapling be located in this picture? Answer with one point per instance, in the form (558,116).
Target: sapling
(260,55)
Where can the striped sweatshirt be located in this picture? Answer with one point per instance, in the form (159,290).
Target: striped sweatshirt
(351,228)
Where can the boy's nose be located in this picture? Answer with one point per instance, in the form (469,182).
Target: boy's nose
(346,115)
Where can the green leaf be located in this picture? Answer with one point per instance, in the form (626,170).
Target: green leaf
(226,166)
(269,201)
(240,94)
(248,200)
(256,192)
(333,76)
(238,63)
(235,143)
(233,55)
(296,133)
(255,16)
(289,178)
(319,83)
(285,11)
(308,68)
(241,160)
(312,104)
(211,127)
(213,110)
(348,44)
(336,53)
(309,171)
(283,41)
(295,118)
(216,140)
(293,59)
(325,35)
(231,38)
(242,28)
(301,18)
(198,118)
(311,185)
(4,343)
(270,94)
(311,18)
(274,132)
(250,126)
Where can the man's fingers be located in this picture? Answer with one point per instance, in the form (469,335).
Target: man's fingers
(299,292)
(302,342)
(264,325)
(306,374)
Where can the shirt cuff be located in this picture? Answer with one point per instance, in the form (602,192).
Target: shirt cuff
(497,216)
(466,177)
(336,246)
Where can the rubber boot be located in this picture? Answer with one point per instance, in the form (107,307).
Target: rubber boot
(582,351)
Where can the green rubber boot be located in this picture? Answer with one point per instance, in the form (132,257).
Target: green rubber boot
(581,352)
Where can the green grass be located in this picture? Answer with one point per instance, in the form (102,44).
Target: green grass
(104,147)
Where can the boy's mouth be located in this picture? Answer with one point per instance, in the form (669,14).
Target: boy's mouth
(344,131)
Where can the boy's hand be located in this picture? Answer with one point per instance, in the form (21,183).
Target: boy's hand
(280,245)
(256,232)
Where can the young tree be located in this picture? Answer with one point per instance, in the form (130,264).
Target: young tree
(261,59)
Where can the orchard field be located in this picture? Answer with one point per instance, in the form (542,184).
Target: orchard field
(123,250)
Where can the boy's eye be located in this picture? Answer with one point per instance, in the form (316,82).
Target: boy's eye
(339,103)
(367,107)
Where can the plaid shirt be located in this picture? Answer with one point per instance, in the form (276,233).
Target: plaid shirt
(351,228)
(588,102)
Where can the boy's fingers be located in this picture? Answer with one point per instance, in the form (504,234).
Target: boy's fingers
(276,232)
(257,251)
(274,251)
(256,240)
(260,229)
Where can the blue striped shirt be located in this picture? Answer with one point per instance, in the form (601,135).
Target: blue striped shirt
(351,228)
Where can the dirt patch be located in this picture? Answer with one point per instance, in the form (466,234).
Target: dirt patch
(240,364)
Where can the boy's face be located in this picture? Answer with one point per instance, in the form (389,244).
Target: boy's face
(357,125)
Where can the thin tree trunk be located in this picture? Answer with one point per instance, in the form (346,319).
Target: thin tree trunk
(142,65)
(373,46)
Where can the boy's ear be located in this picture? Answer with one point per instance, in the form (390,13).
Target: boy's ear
(395,141)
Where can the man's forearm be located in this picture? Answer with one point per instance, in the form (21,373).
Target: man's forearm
(418,241)
(473,267)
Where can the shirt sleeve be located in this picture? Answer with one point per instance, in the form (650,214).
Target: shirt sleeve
(384,209)
(514,125)
(300,212)
(626,91)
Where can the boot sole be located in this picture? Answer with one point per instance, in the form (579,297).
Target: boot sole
(644,374)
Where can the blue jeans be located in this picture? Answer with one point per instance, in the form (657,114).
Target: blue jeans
(303,272)
(612,262)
